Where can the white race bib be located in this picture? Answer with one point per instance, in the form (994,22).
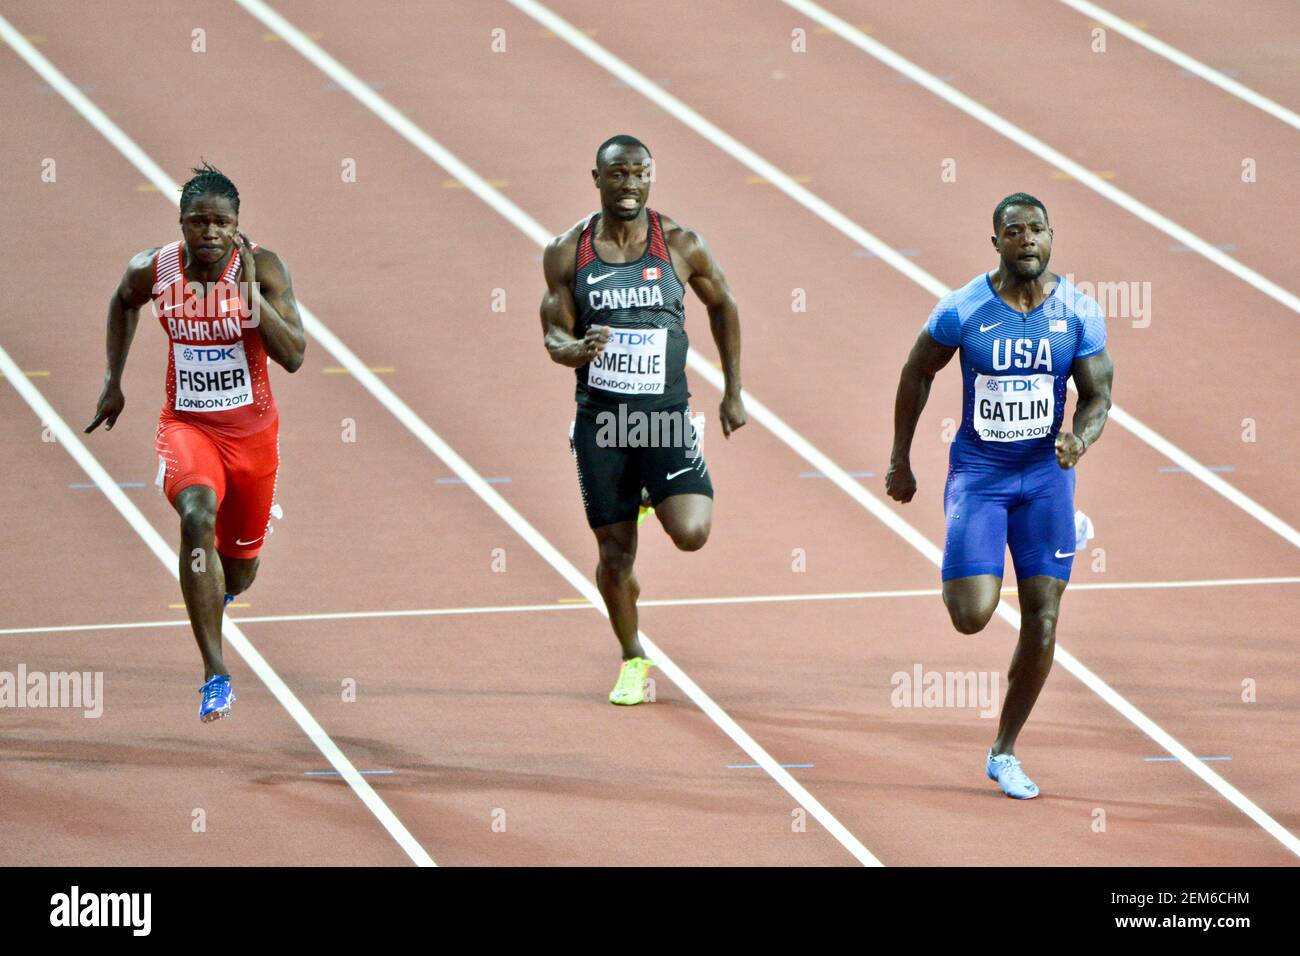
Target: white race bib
(632,363)
(1014,407)
(211,378)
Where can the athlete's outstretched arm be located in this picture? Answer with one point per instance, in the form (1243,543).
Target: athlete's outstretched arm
(276,309)
(710,284)
(1093,376)
(559,317)
(923,364)
(131,293)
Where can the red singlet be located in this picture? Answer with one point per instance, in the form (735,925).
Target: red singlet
(219,425)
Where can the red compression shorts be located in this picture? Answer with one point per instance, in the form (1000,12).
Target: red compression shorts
(241,470)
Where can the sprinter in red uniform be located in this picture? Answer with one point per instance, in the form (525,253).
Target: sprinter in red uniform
(226,305)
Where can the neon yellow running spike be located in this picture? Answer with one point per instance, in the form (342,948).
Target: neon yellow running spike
(630,688)
(646,510)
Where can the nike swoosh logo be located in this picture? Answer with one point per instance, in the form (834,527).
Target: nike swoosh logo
(985,328)
(244,544)
(1066,555)
(676,473)
(592,280)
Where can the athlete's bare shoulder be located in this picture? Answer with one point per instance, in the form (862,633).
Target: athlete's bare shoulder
(269,263)
(136,286)
(142,262)
(683,240)
(688,246)
(562,252)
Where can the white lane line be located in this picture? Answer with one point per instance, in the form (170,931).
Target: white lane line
(762,414)
(1201,473)
(72,443)
(853,231)
(1054,157)
(661,602)
(69,439)
(1193,66)
(443,157)
(400,410)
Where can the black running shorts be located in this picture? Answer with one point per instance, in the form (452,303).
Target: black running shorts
(620,451)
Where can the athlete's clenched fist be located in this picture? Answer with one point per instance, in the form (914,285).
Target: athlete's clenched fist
(1069,449)
(593,343)
(900,483)
(732,413)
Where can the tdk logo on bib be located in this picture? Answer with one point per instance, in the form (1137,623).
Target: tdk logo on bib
(633,338)
(1007,384)
(209,355)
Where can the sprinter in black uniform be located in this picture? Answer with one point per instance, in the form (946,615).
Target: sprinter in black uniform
(614,311)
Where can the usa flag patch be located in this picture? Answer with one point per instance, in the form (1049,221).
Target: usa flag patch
(651,274)
(1056,325)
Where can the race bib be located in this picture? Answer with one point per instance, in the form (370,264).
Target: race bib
(1014,407)
(632,363)
(211,378)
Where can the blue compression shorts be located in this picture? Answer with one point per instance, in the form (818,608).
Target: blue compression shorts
(990,506)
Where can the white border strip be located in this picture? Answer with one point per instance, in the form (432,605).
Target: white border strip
(1025,140)
(233,635)
(662,602)
(761,413)
(849,228)
(1178,57)
(400,410)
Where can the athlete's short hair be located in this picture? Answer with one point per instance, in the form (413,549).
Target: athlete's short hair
(622,139)
(1015,199)
(208,181)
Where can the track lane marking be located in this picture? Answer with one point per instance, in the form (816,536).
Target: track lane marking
(757,410)
(417,426)
(836,219)
(582,604)
(72,443)
(229,629)
(1224,82)
(1025,140)
(400,410)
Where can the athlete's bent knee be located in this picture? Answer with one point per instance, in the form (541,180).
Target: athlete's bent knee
(198,522)
(691,537)
(240,574)
(1041,627)
(615,559)
(970,620)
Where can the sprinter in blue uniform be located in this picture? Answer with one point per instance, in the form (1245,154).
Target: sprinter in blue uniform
(1022,332)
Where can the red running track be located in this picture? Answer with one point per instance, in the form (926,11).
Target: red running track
(500,717)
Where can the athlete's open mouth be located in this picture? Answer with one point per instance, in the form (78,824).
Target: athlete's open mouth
(629,202)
